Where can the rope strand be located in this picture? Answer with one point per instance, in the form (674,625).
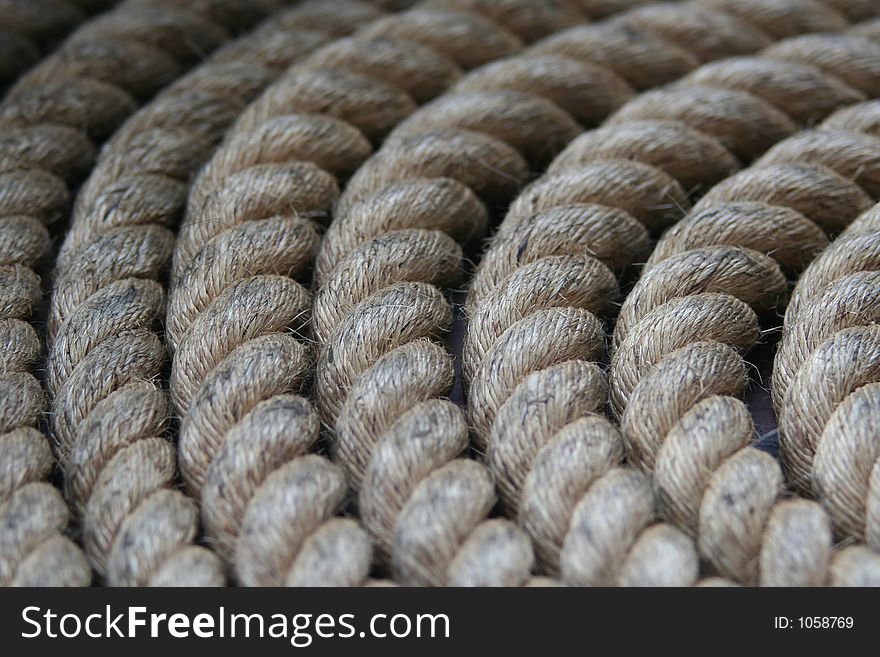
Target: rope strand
(51,122)
(553,264)
(677,370)
(825,380)
(31,28)
(398,235)
(251,232)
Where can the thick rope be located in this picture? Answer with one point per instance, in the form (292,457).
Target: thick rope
(252,230)
(49,125)
(33,515)
(826,377)
(677,368)
(396,239)
(249,531)
(552,264)
(107,301)
(107,298)
(31,28)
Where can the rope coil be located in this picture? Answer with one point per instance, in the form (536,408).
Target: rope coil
(411,131)
(677,371)
(250,234)
(50,122)
(825,378)
(551,268)
(393,243)
(118,465)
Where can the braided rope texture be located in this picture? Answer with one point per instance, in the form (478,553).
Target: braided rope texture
(108,412)
(396,242)
(238,312)
(826,376)
(31,28)
(372,164)
(678,371)
(553,266)
(50,124)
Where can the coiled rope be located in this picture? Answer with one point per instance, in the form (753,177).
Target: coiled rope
(237,368)
(677,369)
(550,268)
(252,229)
(31,28)
(107,298)
(826,376)
(395,243)
(49,124)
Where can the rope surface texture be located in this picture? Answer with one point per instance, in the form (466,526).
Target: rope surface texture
(827,371)
(713,280)
(396,244)
(237,313)
(331,172)
(119,467)
(535,392)
(31,28)
(50,124)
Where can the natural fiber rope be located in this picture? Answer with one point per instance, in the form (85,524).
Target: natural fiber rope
(395,237)
(426,508)
(309,477)
(107,300)
(31,28)
(826,376)
(48,123)
(250,232)
(551,264)
(676,372)
(362,272)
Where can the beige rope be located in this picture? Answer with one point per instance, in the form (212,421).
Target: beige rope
(31,28)
(49,124)
(535,271)
(677,371)
(826,375)
(102,315)
(551,265)
(558,467)
(271,506)
(251,231)
(396,236)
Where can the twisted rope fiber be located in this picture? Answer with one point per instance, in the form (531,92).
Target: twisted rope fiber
(119,467)
(48,125)
(677,369)
(235,297)
(550,270)
(31,28)
(395,241)
(422,504)
(826,377)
